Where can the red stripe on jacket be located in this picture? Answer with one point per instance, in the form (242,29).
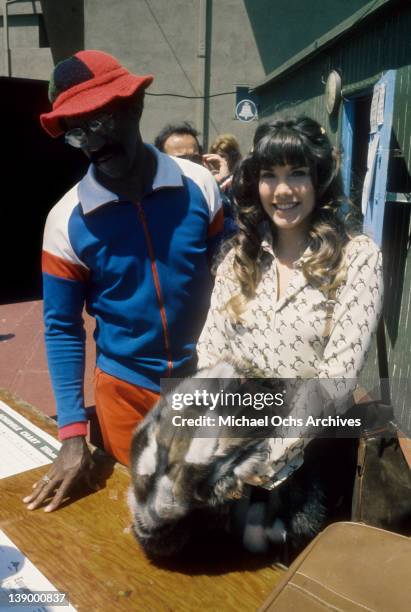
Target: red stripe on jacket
(57,266)
(217,224)
(158,289)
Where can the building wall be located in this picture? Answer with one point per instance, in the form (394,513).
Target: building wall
(29,55)
(162,38)
(41,33)
(64,23)
(397,232)
(148,38)
(381,44)
(282,28)
(235,60)
(402,119)
(246,39)
(397,257)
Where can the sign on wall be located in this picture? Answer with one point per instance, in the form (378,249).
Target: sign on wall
(246,109)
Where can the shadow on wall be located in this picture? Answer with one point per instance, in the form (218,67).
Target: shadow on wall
(64,27)
(285,27)
(36,172)
(397,243)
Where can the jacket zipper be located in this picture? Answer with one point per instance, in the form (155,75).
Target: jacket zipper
(159,294)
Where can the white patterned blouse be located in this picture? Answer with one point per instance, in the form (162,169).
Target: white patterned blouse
(285,338)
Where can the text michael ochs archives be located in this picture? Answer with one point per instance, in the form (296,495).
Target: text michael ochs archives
(223,401)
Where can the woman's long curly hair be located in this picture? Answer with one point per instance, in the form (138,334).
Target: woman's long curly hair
(297,142)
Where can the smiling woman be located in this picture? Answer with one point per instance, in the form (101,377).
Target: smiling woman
(287,196)
(297,296)
(291,179)
(292,259)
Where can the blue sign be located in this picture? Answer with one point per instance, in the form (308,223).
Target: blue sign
(246,111)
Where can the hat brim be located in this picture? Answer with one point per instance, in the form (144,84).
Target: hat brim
(89,100)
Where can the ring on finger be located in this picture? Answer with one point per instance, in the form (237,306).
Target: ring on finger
(45,479)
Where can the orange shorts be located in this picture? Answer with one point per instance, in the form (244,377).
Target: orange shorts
(120,406)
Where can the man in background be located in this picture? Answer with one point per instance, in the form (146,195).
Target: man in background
(180,140)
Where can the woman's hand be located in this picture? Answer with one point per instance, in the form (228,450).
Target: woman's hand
(74,463)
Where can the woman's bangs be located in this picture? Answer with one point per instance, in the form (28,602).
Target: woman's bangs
(281,149)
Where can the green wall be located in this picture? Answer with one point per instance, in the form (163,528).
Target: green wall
(381,44)
(282,28)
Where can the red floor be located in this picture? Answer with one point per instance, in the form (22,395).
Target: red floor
(23,366)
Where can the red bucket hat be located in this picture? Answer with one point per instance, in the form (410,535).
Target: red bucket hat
(84,83)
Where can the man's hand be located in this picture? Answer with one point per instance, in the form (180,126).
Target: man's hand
(74,462)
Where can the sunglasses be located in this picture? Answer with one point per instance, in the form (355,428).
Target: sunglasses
(79,137)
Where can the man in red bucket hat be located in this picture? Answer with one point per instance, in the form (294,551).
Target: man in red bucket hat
(131,242)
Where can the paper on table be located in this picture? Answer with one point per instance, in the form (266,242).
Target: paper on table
(18,575)
(23,446)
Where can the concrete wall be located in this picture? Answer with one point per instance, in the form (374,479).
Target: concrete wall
(151,38)
(64,23)
(235,60)
(29,55)
(41,33)
(162,38)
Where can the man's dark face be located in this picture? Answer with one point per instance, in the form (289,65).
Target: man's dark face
(113,147)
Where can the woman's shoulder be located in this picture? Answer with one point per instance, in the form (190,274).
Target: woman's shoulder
(225,266)
(360,244)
